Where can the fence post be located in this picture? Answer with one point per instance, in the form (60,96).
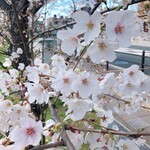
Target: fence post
(107,65)
(143,60)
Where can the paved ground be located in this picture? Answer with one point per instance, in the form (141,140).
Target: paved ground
(139,121)
(133,55)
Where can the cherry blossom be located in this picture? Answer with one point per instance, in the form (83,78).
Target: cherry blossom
(21,66)
(58,61)
(132,74)
(14,73)
(6,105)
(127,144)
(44,69)
(4,126)
(106,117)
(122,27)
(93,139)
(85,84)
(101,50)
(63,82)
(77,108)
(90,25)
(19,51)
(108,83)
(7,62)
(29,132)
(37,93)
(32,73)
(70,41)
(127,88)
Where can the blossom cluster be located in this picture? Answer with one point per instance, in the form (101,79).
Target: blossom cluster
(82,92)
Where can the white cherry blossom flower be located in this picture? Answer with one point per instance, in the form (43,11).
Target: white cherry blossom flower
(37,93)
(14,56)
(70,41)
(144,84)
(4,118)
(132,74)
(106,117)
(78,108)
(28,133)
(32,74)
(122,27)
(17,113)
(44,69)
(6,105)
(63,82)
(140,141)
(127,88)
(7,62)
(48,124)
(58,61)
(101,50)
(108,83)
(93,139)
(19,51)
(21,66)
(37,61)
(14,73)
(90,25)
(85,84)
(127,144)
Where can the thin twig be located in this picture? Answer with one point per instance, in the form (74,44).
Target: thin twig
(51,145)
(124,101)
(83,52)
(107,131)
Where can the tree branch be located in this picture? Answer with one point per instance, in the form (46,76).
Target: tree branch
(114,8)
(63,135)
(51,145)
(121,100)
(108,131)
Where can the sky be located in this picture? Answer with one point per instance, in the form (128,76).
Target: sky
(63,7)
(59,7)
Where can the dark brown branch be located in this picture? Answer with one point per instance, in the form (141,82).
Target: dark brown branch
(19,27)
(107,131)
(114,8)
(51,145)
(95,7)
(51,30)
(124,101)
(63,135)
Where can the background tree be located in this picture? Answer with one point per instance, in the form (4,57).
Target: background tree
(17,12)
